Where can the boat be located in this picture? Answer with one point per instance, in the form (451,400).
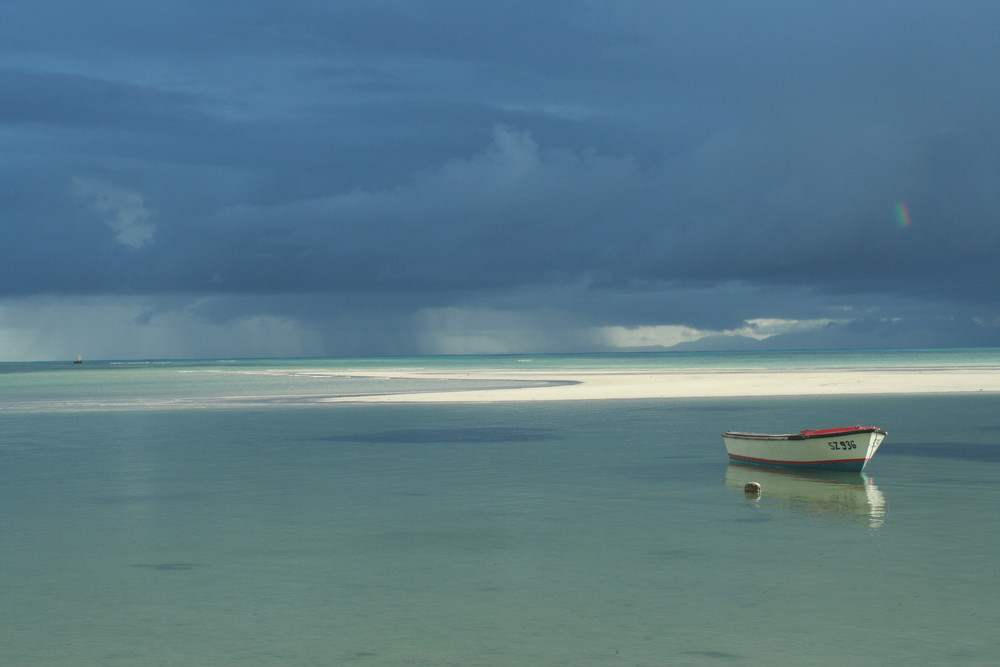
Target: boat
(79,359)
(848,448)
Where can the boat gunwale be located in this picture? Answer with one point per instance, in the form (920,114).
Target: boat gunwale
(806,434)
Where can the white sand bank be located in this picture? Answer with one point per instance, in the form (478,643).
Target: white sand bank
(593,385)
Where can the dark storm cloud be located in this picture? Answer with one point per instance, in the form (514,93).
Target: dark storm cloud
(642,163)
(39,99)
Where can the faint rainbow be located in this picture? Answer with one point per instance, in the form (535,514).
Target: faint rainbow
(903,215)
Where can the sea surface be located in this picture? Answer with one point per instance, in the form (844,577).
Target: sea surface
(220,513)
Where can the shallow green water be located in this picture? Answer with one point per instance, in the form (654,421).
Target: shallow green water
(593,533)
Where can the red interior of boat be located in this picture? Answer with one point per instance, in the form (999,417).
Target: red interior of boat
(844,429)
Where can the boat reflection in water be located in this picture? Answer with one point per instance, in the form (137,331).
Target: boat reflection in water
(835,495)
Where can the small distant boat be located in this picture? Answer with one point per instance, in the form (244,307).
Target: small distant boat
(79,359)
(848,448)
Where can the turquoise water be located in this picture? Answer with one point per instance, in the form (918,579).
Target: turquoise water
(213,513)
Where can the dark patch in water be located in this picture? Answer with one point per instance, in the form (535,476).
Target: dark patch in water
(142,498)
(167,567)
(944,450)
(446,435)
(673,457)
(713,409)
(721,655)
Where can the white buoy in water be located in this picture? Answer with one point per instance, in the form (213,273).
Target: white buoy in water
(752,488)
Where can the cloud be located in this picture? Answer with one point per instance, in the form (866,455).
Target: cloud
(122,210)
(101,327)
(410,177)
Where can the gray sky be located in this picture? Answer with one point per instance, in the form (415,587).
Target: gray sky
(397,177)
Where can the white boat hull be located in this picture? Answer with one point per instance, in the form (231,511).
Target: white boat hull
(847,449)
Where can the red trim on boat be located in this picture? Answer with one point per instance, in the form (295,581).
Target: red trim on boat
(805,434)
(845,430)
(832,431)
(795,463)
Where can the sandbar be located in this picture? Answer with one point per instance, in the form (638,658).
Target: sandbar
(570,385)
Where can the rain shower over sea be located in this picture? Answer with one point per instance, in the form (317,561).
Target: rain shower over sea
(267,512)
